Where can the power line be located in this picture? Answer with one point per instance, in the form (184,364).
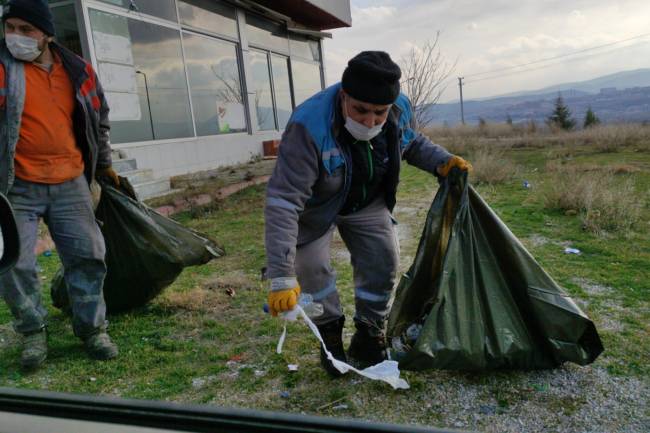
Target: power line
(548,65)
(559,56)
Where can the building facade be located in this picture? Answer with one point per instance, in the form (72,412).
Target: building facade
(197,84)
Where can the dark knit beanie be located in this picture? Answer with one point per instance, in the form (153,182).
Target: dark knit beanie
(371,76)
(35,12)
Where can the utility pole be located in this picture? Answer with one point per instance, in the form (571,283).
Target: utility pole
(462,110)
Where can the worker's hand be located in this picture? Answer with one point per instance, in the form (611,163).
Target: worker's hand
(455,161)
(109,173)
(283,295)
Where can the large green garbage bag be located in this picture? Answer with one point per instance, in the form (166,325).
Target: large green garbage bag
(145,251)
(475,298)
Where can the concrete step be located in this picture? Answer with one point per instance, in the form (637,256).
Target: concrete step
(138,176)
(152,188)
(117,154)
(122,165)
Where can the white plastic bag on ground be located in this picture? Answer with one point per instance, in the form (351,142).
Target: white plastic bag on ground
(386,371)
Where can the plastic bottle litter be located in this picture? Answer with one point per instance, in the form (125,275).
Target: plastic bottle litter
(47,253)
(306,301)
(413,332)
(311,308)
(526,184)
(404,343)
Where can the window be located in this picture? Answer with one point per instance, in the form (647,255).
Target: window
(158,8)
(261,86)
(141,70)
(65,25)
(304,47)
(306,79)
(215,85)
(266,34)
(282,87)
(208,15)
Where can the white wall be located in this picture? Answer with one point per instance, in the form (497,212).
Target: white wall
(174,157)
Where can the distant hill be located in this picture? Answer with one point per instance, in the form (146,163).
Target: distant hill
(620,97)
(619,80)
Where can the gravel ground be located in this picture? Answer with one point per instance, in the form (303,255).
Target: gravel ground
(568,399)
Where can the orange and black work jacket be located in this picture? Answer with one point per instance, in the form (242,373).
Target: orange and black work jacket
(90,118)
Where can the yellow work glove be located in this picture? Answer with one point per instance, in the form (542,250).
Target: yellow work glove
(454,161)
(109,173)
(283,295)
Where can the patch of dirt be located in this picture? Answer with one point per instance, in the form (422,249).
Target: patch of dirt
(534,241)
(593,288)
(199,299)
(235,281)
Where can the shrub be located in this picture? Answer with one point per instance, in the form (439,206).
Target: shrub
(561,116)
(491,166)
(591,119)
(603,202)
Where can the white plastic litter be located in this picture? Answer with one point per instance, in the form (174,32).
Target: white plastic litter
(568,250)
(292,367)
(386,371)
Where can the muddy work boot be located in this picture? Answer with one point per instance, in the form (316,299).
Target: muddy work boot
(34,349)
(368,345)
(99,346)
(332,333)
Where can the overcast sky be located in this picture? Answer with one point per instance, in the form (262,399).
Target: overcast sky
(483,35)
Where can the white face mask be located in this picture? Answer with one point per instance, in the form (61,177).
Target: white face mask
(23,47)
(360,131)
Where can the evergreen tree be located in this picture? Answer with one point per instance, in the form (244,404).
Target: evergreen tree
(561,117)
(591,119)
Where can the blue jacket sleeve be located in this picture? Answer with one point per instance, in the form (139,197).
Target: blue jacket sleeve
(417,149)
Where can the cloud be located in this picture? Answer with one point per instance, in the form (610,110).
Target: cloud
(372,16)
(484,36)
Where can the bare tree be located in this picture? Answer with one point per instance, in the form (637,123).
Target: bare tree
(424,74)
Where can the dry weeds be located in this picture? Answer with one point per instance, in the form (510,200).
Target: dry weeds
(604,203)
(491,166)
(465,139)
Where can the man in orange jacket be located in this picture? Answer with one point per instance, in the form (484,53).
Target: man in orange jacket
(54,141)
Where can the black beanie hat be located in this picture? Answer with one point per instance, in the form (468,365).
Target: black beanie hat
(371,76)
(35,12)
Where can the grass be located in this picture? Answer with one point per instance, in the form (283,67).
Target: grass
(206,340)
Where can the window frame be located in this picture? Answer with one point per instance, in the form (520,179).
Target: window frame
(269,69)
(293,59)
(87,5)
(240,71)
(287,59)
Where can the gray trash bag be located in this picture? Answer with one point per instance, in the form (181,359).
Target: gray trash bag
(145,251)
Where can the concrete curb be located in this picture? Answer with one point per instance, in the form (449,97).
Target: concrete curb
(184,203)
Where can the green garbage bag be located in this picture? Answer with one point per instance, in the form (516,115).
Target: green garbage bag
(145,251)
(475,299)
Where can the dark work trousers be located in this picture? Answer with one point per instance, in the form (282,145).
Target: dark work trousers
(370,236)
(67,210)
